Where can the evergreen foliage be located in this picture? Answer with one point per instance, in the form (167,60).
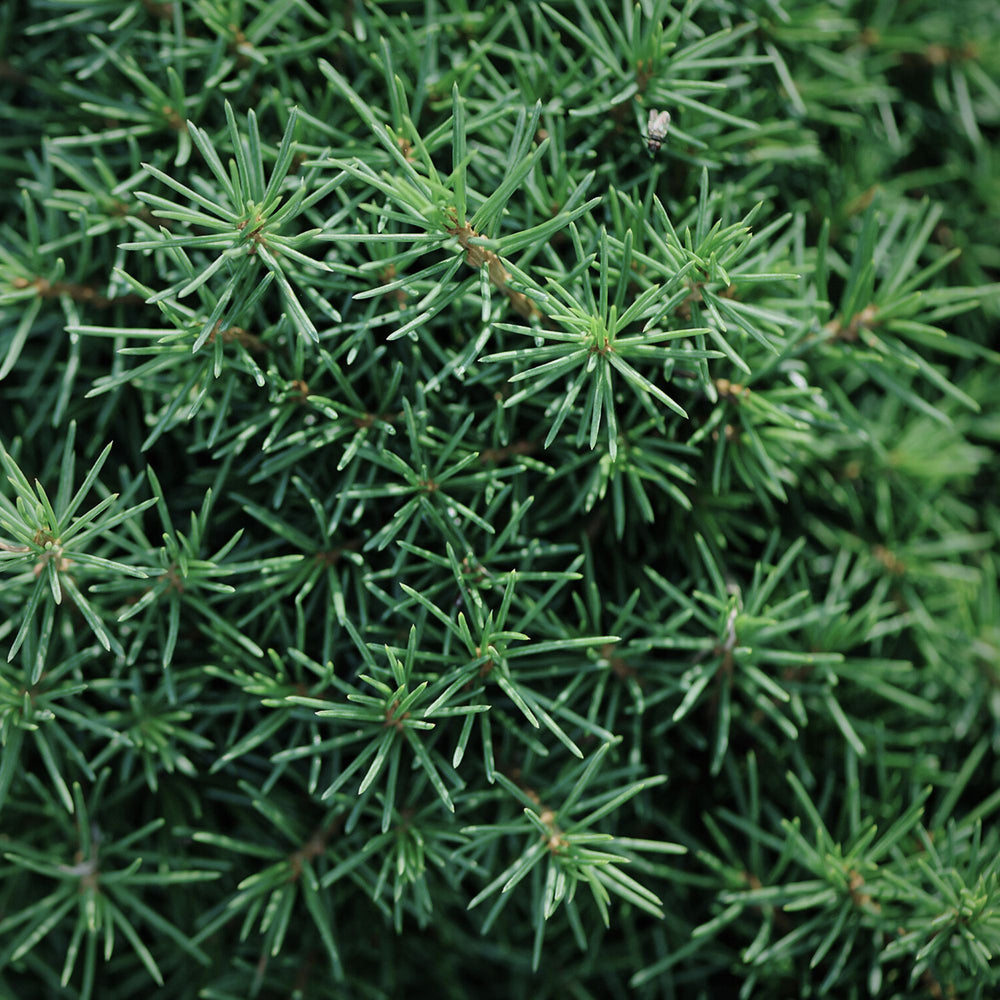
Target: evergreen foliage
(451,549)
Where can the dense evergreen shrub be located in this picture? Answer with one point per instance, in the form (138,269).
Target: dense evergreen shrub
(453,547)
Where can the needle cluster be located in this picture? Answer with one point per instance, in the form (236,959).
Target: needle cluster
(447,550)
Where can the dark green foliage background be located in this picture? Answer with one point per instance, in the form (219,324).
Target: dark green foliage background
(739,534)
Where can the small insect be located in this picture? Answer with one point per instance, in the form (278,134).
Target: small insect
(656,129)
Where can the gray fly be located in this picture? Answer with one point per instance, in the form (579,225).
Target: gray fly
(656,129)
